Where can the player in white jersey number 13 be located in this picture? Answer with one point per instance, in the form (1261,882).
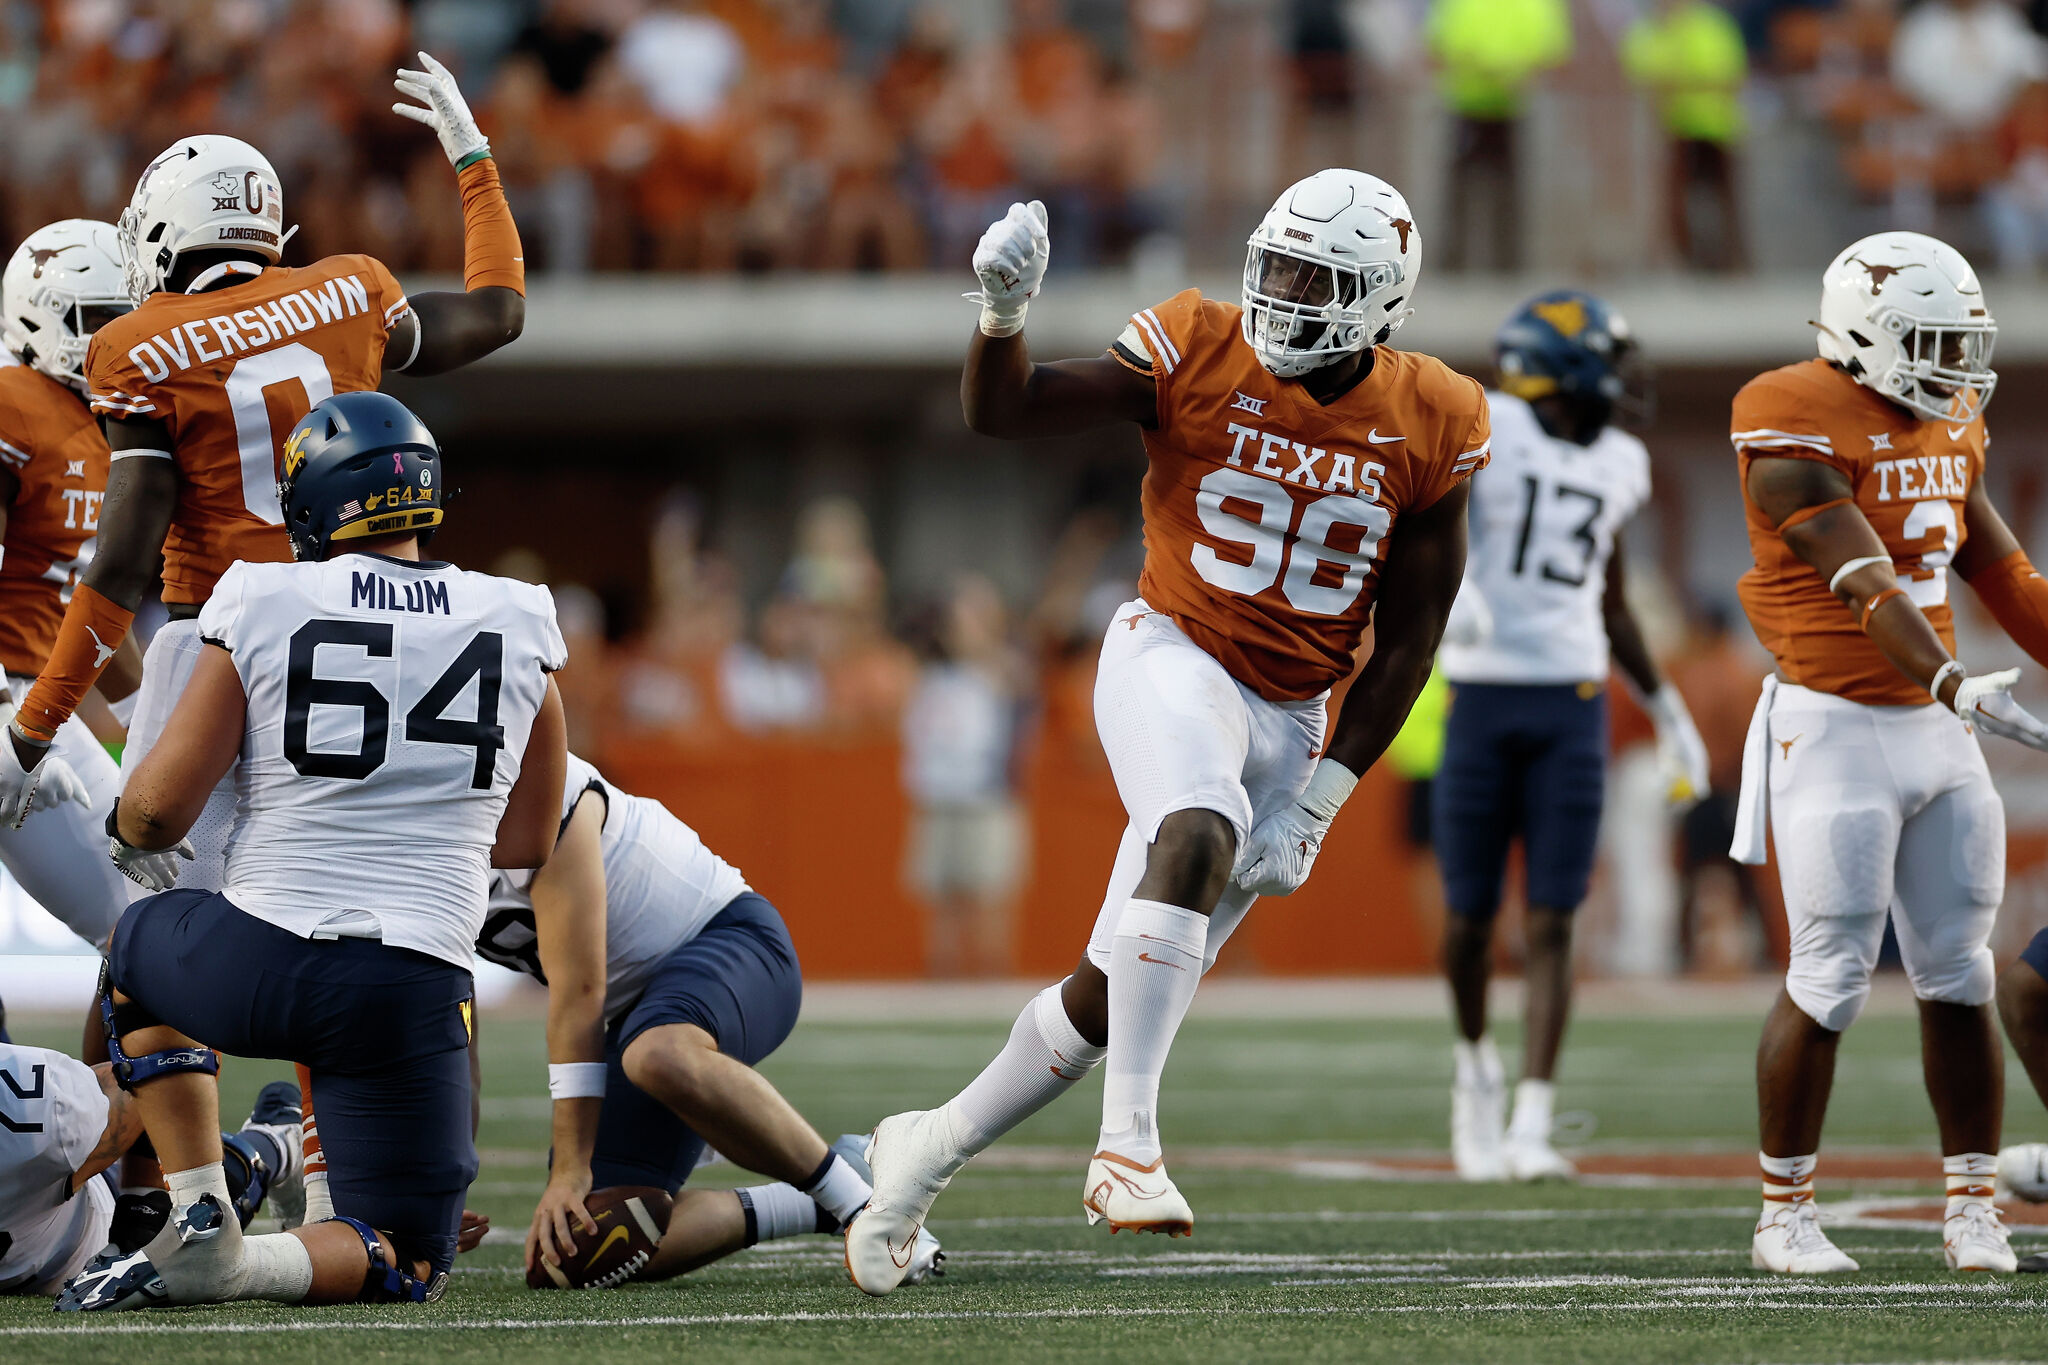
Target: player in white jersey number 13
(395,734)
(1525,748)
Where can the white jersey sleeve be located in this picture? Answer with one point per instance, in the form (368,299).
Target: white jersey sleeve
(662,886)
(389,706)
(52,1115)
(1544,517)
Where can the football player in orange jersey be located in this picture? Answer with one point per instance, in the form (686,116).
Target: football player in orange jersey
(199,385)
(1862,474)
(1301,471)
(62,283)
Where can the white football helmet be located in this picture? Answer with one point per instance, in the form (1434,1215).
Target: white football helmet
(1904,315)
(202,193)
(1329,271)
(59,287)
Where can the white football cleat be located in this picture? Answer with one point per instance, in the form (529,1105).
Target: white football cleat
(1127,1195)
(2023,1169)
(1478,1114)
(913,1156)
(1976,1239)
(1530,1157)
(1789,1240)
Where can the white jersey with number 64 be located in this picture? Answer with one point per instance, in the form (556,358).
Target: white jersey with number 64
(389,705)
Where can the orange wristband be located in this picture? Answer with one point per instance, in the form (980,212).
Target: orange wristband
(491,254)
(93,629)
(1874,603)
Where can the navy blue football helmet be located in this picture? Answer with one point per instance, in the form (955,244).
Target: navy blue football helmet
(1570,344)
(359,465)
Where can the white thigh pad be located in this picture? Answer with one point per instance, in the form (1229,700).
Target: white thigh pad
(1951,878)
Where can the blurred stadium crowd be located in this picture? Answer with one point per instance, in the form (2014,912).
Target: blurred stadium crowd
(715,135)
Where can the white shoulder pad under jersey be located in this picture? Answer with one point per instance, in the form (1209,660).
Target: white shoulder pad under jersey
(662,886)
(389,706)
(52,1114)
(1544,516)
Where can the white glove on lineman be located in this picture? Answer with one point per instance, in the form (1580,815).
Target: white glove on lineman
(1010,261)
(1982,700)
(1681,753)
(51,782)
(445,111)
(152,871)
(1276,859)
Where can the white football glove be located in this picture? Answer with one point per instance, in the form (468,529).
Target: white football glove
(1982,701)
(156,871)
(1282,849)
(50,782)
(1681,753)
(1010,261)
(442,108)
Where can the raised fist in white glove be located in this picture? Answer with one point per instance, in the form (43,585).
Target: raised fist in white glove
(1982,700)
(1282,849)
(1010,262)
(442,108)
(1681,753)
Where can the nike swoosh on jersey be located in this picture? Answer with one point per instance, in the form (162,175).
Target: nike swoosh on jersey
(1956,433)
(1379,440)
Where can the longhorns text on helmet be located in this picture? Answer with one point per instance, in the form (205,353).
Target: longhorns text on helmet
(203,193)
(1356,233)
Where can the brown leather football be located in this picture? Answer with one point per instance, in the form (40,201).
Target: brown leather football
(630,1221)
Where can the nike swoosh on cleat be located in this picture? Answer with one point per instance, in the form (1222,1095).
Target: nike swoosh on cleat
(909,1248)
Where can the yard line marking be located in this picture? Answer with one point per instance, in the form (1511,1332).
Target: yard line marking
(1746,1303)
(1388,1216)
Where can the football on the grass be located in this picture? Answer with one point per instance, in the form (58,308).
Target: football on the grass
(630,1220)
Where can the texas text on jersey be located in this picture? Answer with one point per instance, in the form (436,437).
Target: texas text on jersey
(377,689)
(662,885)
(52,446)
(1911,479)
(1267,514)
(228,371)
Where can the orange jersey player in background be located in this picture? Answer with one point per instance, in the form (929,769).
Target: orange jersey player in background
(1304,479)
(1863,479)
(198,387)
(62,284)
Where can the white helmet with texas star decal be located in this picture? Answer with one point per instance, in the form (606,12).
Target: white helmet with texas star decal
(59,286)
(1329,271)
(1903,313)
(203,193)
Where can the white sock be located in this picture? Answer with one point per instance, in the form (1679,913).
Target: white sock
(1043,1058)
(837,1188)
(776,1211)
(209,1271)
(1534,1101)
(1155,964)
(279,1266)
(1787,1180)
(1478,1064)
(1971,1178)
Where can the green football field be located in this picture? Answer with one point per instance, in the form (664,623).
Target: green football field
(1309,1147)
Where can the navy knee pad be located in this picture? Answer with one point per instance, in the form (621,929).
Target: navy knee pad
(388,1283)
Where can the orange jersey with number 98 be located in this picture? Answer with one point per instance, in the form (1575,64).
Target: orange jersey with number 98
(1267,514)
(1910,478)
(228,372)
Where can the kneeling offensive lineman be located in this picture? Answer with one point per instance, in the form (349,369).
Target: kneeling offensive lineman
(397,735)
(1862,472)
(1525,747)
(701,984)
